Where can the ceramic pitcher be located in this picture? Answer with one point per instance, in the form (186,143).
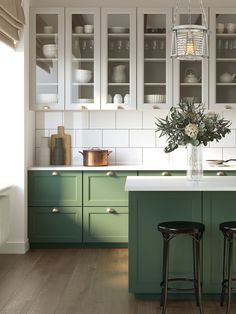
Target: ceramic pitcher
(118,74)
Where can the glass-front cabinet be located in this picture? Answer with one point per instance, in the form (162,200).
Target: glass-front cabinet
(154,62)
(82,59)
(47,59)
(191,76)
(118,58)
(223,58)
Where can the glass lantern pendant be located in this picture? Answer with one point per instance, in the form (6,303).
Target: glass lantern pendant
(190,42)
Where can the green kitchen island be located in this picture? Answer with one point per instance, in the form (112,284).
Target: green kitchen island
(156,199)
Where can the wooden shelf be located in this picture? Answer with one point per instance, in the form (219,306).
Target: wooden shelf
(83,35)
(83,59)
(155,59)
(118,84)
(47,59)
(154,84)
(190,84)
(226,84)
(118,59)
(123,35)
(160,35)
(226,59)
(82,84)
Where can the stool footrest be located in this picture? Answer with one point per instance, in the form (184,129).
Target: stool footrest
(225,284)
(180,279)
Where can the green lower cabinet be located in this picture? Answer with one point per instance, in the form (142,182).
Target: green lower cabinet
(217,208)
(162,173)
(105,224)
(146,210)
(55,225)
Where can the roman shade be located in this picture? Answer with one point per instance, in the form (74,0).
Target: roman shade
(11,21)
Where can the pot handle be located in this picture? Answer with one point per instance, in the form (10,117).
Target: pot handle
(81,153)
(109,152)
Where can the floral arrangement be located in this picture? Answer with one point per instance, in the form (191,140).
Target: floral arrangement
(188,123)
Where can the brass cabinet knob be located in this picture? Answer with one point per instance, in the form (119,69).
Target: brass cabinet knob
(110,210)
(83,107)
(46,107)
(166,173)
(55,173)
(220,173)
(55,210)
(155,107)
(110,173)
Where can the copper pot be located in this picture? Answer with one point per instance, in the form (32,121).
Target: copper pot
(95,157)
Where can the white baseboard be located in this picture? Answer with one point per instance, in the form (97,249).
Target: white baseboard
(14,248)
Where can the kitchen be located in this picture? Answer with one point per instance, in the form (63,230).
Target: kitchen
(129,134)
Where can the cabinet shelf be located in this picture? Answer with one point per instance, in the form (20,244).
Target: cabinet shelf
(190,84)
(83,59)
(226,84)
(226,35)
(124,35)
(47,84)
(83,84)
(226,59)
(44,35)
(47,59)
(161,35)
(118,59)
(154,59)
(83,35)
(118,84)
(154,84)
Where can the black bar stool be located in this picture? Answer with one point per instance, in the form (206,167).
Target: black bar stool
(169,230)
(229,231)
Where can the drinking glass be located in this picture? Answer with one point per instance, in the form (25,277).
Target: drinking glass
(162,48)
(120,47)
(127,48)
(84,48)
(219,48)
(154,48)
(111,49)
(90,46)
(146,48)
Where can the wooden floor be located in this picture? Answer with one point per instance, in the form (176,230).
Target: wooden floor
(83,281)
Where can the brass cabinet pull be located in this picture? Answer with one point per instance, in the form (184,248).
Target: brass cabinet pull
(110,173)
(55,210)
(166,173)
(155,107)
(46,107)
(220,173)
(55,173)
(110,210)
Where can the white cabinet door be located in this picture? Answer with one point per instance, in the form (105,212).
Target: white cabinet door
(191,76)
(82,59)
(154,62)
(223,59)
(118,58)
(47,59)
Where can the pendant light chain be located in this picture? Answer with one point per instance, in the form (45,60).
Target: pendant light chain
(204,21)
(176,12)
(189,12)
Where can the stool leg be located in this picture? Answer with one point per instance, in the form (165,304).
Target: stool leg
(230,261)
(198,273)
(195,272)
(225,270)
(165,275)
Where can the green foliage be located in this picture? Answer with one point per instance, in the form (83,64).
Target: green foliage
(188,123)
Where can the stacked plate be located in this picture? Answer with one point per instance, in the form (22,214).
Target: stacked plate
(118,29)
(154,98)
(85,100)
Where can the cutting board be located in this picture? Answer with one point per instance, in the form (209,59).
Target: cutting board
(66,139)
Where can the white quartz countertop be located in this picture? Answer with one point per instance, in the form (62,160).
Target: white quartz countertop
(156,183)
(133,167)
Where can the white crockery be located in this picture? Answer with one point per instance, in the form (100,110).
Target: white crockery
(220,27)
(49,98)
(231,28)
(48,29)
(50,50)
(88,29)
(154,99)
(84,100)
(118,29)
(83,76)
(79,29)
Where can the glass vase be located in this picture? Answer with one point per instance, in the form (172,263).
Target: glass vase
(194,162)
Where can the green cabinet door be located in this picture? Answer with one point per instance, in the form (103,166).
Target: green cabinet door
(55,188)
(162,173)
(105,188)
(55,224)
(146,210)
(217,208)
(105,224)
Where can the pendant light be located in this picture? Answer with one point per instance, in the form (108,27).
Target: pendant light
(190,42)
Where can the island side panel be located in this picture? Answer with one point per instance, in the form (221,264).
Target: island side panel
(146,210)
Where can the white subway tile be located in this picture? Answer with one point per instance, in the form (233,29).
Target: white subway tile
(39,120)
(129,119)
(155,157)
(211,153)
(142,138)
(178,158)
(231,116)
(72,134)
(76,120)
(76,157)
(88,138)
(102,119)
(112,155)
(227,141)
(161,141)
(48,120)
(115,138)
(229,153)
(149,118)
(129,156)
(39,134)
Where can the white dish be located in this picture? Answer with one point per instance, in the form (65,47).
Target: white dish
(50,51)
(48,29)
(85,100)
(47,98)
(83,76)
(118,29)
(154,98)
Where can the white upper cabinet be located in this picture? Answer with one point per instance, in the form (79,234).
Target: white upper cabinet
(223,58)
(47,59)
(82,63)
(191,76)
(154,62)
(118,58)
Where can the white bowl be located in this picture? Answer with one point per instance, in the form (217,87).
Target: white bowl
(154,98)
(50,51)
(83,76)
(47,98)
(85,100)
(118,29)
(48,29)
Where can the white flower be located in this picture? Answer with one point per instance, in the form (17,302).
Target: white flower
(191,130)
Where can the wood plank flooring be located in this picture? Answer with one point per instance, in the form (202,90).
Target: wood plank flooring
(78,281)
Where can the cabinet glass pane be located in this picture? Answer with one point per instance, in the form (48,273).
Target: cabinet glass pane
(154,58)
(46,59)
(225,58)
(118,69)
(190,71)
(82,58)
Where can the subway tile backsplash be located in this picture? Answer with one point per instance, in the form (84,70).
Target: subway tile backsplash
(130,135)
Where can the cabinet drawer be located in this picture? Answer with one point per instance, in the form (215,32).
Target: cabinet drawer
(105,188)
(55,224)
(162,173)
(55,188)
(219,173)
(102,224)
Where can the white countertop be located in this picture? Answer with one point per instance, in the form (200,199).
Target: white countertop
(156,183)
(133,167)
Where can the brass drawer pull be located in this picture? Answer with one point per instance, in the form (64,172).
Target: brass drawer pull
(55,210)
(166,173)
(110,210)
(220,173)
(46,107)
(55,173)
(110,173)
